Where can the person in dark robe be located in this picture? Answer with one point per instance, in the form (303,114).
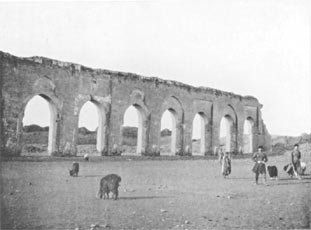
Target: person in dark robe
(295,160)
(260,158)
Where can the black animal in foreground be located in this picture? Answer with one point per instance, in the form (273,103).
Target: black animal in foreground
(74,169)
(273,171)
(109,183)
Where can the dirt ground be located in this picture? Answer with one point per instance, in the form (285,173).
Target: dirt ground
(154,194)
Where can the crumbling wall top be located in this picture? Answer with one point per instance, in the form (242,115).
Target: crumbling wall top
(123,75)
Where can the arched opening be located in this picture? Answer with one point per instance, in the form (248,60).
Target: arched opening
(39,126)
(132,131)
(248,145)
(168,133)
(199,134)
(226,133)
(91,134)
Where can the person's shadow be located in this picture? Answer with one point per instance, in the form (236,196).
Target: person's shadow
(306,179)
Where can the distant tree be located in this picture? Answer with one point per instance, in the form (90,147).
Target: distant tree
(33,128)
(128,131)
(84,131)
(166,132)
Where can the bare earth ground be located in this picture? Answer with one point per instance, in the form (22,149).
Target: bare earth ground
(154,194)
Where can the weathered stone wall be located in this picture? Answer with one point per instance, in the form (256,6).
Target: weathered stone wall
(68,86)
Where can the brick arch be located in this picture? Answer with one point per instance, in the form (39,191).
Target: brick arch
(55,106)
(230,115)
(248,144)
(250,112)
(173,105)
(231,111)
(251,120)
(204,132)
(203,115)
(205,110)
(143,124)
(102,109)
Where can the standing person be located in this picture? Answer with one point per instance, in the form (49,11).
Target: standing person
(295,159)
(260,159)
(225,162)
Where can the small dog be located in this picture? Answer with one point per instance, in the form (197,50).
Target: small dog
(74,169)
(289,169)
(273,172)
(109,183)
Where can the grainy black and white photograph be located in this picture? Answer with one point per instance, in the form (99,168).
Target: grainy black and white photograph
(155,114)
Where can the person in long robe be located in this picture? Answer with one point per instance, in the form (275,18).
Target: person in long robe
(295,159)
(225,162)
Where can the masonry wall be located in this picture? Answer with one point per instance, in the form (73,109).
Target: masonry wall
(68,86)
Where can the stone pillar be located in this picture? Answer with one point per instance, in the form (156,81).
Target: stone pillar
(71,142)
(255,137)
(13,136)
(115,131)
(153,135)
(12,124)
(179,137)
(209,149)
(215,135)
(145,127)
(235,137)
(240,135)
(187,141)
(68,126)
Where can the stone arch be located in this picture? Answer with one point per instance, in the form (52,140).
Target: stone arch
(101,105)
(231,120)
(44,84)
(203,135)
(55,107)
(248,137)
(137,100)
(143,125)
(173,105)
(137,96)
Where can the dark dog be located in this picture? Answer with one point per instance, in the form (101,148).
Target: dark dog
(109,183)
(74,169)
(289,169)
(273,172)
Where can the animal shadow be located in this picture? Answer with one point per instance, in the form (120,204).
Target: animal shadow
(141,197)
(92,175)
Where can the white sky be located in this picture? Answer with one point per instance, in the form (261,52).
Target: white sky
(260,48)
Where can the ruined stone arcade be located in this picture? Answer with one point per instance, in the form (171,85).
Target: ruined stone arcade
(67,87)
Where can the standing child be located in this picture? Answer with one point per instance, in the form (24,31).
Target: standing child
(225,162)
(260,159)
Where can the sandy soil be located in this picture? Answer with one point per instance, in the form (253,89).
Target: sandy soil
(154,194)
